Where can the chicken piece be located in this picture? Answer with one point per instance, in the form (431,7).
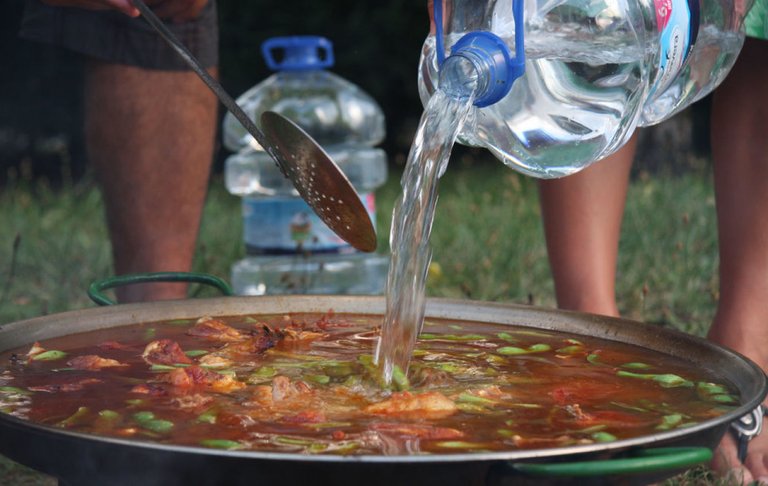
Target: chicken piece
(283,388)
(214,329)
(93,362)
(165,352)
(214,360)
(432,405)
(284,396)
(291,402)
(247,348)
(241,351)
(195,376)
(262,395)
(264,338)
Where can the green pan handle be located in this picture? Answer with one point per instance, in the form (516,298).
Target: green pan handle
(643,461)
(96,288)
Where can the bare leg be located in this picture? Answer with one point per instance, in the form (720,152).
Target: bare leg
(150,136)
(740,154)
(582,223)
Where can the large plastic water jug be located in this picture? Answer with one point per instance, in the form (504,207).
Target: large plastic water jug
(560,84)
(289,249)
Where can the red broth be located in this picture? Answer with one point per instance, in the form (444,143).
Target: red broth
(306,383)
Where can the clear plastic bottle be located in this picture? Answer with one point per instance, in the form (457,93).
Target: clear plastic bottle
(715,40)
(328,107)
(594,70)
(289,249)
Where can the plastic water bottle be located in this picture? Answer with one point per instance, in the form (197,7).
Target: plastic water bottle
(714,40)
(587,73)
(288,248)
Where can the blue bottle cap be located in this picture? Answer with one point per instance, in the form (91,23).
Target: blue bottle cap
(502,67)
(495,57)
(297,53)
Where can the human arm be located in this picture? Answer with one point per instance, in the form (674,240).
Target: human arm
(124,6)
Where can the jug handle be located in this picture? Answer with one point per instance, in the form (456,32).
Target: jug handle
(516,66)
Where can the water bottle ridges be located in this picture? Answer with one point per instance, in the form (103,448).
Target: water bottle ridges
(594,71)
(289,249)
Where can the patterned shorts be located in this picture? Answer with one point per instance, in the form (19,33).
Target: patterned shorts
(112,36)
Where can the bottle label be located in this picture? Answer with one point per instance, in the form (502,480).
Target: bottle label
(287,226)
(677,23)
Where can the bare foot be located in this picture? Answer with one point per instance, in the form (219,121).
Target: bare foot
(725,461)
(755,468)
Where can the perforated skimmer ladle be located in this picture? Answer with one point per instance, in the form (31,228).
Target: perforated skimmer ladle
(315,176)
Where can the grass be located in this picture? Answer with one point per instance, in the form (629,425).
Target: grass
(487,240)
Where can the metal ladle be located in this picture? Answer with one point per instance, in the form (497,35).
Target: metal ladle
(315,176)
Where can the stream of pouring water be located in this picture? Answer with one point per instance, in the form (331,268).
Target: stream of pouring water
(412,220)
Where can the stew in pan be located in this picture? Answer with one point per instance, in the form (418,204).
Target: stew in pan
(306,383)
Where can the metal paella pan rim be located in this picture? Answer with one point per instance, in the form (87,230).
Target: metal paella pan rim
(21,440)
(517,455)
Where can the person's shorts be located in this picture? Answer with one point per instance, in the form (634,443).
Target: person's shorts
(114,37)
(756,21)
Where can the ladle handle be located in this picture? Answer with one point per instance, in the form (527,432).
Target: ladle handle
(193,63)
(96,289)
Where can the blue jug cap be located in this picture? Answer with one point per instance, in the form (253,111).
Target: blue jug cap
(299,53)
(503,67)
